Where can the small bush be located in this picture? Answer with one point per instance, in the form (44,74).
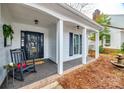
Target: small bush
(122,47)
(101,49)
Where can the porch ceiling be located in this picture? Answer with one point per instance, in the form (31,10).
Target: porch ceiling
(69,13)
(72,25)
(25,14)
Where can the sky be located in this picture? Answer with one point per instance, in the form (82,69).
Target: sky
(106,8)
(111,8)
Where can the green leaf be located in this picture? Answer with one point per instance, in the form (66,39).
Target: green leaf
(7,31)
(103,20)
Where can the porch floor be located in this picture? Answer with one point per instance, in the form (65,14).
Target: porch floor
(43,71)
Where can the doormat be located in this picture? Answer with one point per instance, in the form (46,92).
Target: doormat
(36,62)
(39,62)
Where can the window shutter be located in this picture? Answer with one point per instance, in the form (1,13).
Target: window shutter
(80,44)
(70,44)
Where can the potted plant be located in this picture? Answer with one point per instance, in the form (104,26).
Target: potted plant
(8,34)
(9,66)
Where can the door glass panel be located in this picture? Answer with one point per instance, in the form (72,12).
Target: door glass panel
(76,44)
(22,39)
(32,44)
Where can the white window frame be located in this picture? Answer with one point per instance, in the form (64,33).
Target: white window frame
(78,45)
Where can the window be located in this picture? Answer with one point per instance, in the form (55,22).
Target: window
(107,40)
(22,39)
(107,43)
(75,44)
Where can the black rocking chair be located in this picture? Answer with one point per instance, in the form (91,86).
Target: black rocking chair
(18,57)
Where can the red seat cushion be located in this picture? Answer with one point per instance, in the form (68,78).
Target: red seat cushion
(19,65)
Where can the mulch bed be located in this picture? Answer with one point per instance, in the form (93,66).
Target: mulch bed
(99,74)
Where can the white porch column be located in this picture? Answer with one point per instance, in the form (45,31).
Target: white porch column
(59,52)
(87,43)
(97,45)
(84,46)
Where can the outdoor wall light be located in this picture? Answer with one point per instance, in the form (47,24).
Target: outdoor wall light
(36,21)
(77,28)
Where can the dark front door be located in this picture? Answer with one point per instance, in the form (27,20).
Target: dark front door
(33,44)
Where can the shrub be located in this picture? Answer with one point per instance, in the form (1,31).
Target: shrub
(122,48)
(101,49)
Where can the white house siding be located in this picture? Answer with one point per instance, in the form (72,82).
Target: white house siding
(6,19)
(115,38)
(122,37)
(117,20)
(116,35)
(4,55)
(52,42)
(66,56)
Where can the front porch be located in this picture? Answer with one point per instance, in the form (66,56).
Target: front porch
(63,39)
(43,72)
